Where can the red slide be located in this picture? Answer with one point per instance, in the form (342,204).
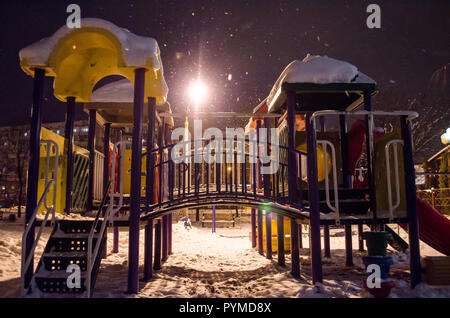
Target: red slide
(434,228)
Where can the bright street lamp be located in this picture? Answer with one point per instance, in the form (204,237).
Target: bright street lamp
(197,92)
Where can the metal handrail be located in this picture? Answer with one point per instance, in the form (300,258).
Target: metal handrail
(108,217)
(392,207)
(93,256)
(26,261)
(410,114)
(334,208)
(47,169)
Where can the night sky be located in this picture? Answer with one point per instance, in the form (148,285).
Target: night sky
(251,40)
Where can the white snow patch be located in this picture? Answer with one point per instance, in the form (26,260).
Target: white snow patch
(135,49)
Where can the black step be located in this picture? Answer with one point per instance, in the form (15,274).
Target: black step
(60,261)
(58,285)
(68,244)
(78,226)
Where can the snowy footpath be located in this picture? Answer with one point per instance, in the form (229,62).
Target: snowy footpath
(222,264)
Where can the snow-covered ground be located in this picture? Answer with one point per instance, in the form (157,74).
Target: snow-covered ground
(204,264)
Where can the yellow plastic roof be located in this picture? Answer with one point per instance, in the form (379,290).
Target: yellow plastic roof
(79,58)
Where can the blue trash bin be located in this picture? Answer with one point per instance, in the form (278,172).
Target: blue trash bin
(384,262)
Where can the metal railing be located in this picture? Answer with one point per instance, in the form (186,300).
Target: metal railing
(92,255)
(194,181)
(108,216)
(26,259)
(99,160)
(392,207)
(334,208)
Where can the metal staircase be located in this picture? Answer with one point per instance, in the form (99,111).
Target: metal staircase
(67,245)
(73,249)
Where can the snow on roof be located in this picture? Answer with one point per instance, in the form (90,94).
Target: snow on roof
(121,91)
(318,70)
(135,49)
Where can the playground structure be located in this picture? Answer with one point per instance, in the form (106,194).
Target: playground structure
(306,189)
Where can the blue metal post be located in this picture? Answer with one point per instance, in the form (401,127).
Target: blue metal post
(314,214)
(91,149)
(68,134)
(33,163)
(135,191)
(148,251)
(253,224)
(411,203)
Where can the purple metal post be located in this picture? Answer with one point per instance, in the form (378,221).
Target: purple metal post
(295,253)
(214,218)
(347,184)
(165,237)
(411,203)
(116,228)
(280,236)
(314,214)
(260,233)
(170,221)
(91,149)
(33,164)
(348,245)
(268,235)
(253,222)
(258,150)
(106,141)
(161,160)
(170,164)
(150,163)
(135,191)
(292,162)
(300,236)
(360,239)
(148,251)
(326,241)
(370,156)
(157,262)
(106,150)
(68,134)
